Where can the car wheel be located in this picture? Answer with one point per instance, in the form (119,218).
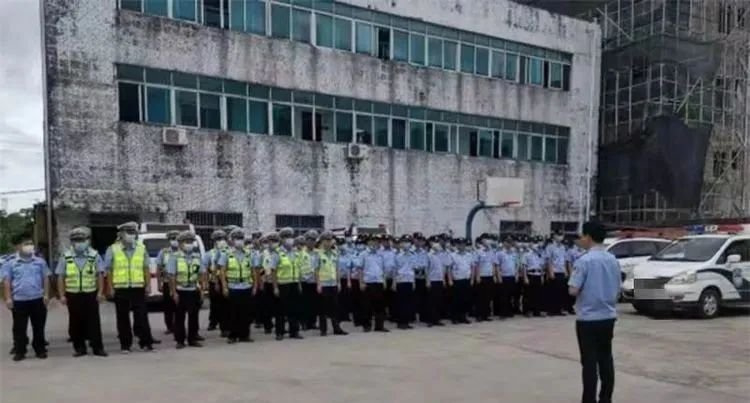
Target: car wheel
(642,309)
(708,304)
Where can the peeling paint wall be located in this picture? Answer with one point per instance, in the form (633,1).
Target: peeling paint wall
(101,165)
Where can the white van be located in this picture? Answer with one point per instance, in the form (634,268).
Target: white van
(698,274)
(154,237)
(631,252)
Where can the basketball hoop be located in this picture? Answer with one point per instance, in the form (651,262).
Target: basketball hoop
(509,204)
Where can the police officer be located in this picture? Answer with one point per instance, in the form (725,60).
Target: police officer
(239,284)
(287,288)
(435,275)
(345,281)
(557,275)
(596,284)
(327,285)
(307,261)
(460,279)
(508,271)
(26,290)
(533,280)
(356,288)
(389,266)
(371,277)
(421,260)
(446,256)
(256,262)
(485,277)
(187,280)
(268,300)
(217,314)
(163,279)
(404,283)
(80,284)
(126,262)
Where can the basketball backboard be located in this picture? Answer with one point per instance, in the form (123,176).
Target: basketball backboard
(501,192)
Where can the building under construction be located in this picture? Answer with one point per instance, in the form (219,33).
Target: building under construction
(674,107)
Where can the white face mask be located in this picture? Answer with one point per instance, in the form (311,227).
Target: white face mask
(173,243)
(80,247)
(289,243)
(239,243)
(405,245)
(27,250)
(437,246)
(128,238)
(188,247)
(348,240)
(274,245)
(221,244)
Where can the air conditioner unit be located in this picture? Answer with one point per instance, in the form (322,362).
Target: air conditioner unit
(173,136)
(356,151)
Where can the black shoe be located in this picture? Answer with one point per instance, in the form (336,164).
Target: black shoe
(224,333)
(340,332)
(179,346)
(367,329)
(258,325)
(279,337)
(454,321)
(195,344)
(246,340)
(438,324)
(167,331)
(19,357)
(528,315)
(12,351)
(296,336)
(465,321)
(42,355)
(147,348)
(537,315)
(79,353)
(323,334)
(382,330)
(268,331)
(211,328)
(101,353)
(231,340)
(68,340)
(490,319)
(200,338)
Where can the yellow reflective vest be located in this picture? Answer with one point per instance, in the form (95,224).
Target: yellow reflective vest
(286,269)
(327,262)
(81,279)
(239,272)
(188,272)
(127,272)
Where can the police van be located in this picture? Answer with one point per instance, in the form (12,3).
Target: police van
(697,274)
(154,238)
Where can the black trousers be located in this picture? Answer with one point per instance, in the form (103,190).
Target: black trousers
(168,307)
(373,306)
(516,299)
(289,304)
(405,303)
(218,311)
(532,294)
(435,298)
(127,300)
(390,300)
(84,321)
(240,313)
(310,299)
(344,301)
(23,312)
(357,303)
(461,299)
(188,304)
(421,298)
(504,303)
(595,345)
(555,293)
(329,308)
(268,307)
(484,292)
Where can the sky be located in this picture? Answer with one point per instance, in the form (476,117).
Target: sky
(21,152)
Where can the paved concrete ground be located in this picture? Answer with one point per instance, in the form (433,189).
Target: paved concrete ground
(518,360)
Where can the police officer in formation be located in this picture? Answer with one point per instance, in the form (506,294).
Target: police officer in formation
(163,279)
(279,279)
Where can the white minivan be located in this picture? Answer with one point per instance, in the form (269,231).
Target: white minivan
(698,274)
(631,252)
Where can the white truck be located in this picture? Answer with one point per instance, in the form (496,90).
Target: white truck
(698,274)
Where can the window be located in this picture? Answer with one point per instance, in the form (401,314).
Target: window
(384,43)
(506,146)
(400,46)
(467,59)
(237,15)
(134,5)
(255,17)
(185,9)
(282,120)
(129,102)
(156,7)
(416,135)
(212,13)
(344,127)
(210,115)
(523,147)
(280,21)
(536,148)
(483,61)
(301,223)
(642,248)
(449,55)
(621,250)
(364,38)
(157,105)
(515,227)
(301,25)
(741,248)
(465,135)
(343,34)
(206,222)
(511,67)
(303,123)
(258,117)
(498,64)
(428,137)
(562,150)
(555,75)
(324,30)
(236,114)
(485,143)
(535,72)
(187,108)
(381,131)
(550,149)
(398,134)
(417,49)
(441,138)
(364,129)
(435,48)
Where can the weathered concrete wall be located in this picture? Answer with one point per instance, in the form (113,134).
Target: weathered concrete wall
(101,165)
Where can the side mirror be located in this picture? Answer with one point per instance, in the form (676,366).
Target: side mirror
(731,259)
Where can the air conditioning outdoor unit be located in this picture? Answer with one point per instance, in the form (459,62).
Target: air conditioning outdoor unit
(173,136)
(356,151)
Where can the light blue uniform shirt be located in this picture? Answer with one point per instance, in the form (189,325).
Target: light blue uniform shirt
(486,259)
(389,262)
(447,258)
(420,261)
(171,269)
(26,277)
(344,263)
(508,263)
(596,274)
(573,254)
(436,267)
(404,267)
(356,262)
(534,263)
(80,260)
(463,262)
(240,255)
(556,256)
(210,258)
(372,266)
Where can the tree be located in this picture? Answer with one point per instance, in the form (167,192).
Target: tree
(13,224)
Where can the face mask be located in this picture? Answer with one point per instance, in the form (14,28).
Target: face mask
(221,244)
(239,243)
(173,243)
(406,245)
(27,250)
(289,243)
(274,245)
(437,246)
(128,238)
(188,247)
(80,247)
(348,240)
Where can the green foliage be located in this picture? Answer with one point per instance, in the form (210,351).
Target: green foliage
(13,224)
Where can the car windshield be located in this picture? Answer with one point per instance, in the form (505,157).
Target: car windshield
(154,245)
(690,250)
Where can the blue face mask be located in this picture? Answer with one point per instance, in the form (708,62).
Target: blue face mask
(80,247)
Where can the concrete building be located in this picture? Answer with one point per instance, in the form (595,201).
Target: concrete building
(267,94)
